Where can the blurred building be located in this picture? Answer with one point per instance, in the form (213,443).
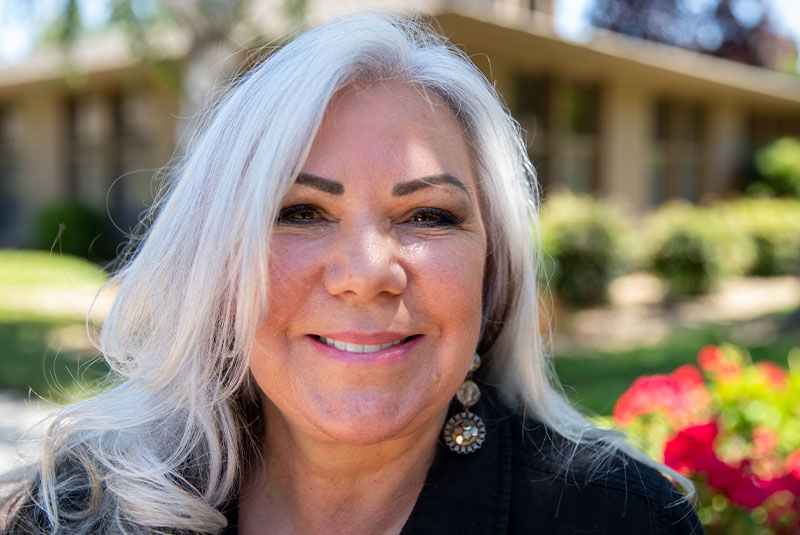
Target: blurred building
(633,121)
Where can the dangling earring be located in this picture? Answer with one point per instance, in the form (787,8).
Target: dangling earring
(465,432)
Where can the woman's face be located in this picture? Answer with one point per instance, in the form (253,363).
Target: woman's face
(376,272)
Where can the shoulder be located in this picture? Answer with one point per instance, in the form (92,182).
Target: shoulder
(558,487)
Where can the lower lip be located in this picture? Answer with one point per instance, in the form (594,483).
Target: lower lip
(390,355)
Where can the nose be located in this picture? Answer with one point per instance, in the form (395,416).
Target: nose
(364,264)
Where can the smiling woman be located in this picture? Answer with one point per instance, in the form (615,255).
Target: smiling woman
(301,333)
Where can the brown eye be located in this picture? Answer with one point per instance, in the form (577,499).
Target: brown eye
(301,214)
(433,217)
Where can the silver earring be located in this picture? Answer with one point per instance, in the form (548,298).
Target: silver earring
(465,432)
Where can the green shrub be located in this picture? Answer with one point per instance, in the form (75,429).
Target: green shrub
(694,248)
(778,166)
(587,243)
(773,225)
(73,227)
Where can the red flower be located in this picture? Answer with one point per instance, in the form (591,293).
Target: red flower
(747,491)
(688,376)
(773,374)
(765,440)
(681,396)
(763,479)
(792,464)
(713,360)
(691,451)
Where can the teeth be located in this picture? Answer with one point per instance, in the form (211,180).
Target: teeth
(357,348)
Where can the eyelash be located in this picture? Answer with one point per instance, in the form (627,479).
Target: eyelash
(286,214)
(441,218)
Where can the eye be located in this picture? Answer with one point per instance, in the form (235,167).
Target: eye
(433,217)
(299,214)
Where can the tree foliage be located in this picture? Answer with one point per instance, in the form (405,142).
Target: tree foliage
(738,30)
(218,32)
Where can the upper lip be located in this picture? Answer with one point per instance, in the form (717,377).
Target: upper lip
(364,338)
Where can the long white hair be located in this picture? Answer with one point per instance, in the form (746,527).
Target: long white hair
(164,449)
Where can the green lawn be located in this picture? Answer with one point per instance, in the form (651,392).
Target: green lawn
(595,380)
(28,269)
(34,355)
(29,363)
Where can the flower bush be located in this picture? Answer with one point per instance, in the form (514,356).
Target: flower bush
(731,425)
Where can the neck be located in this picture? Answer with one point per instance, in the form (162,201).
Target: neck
(311,485)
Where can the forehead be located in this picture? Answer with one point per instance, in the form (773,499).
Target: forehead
(391,130)
(401,101)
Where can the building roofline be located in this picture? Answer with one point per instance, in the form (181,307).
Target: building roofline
(97,54)
(699,66)
(638,54)
(111,52)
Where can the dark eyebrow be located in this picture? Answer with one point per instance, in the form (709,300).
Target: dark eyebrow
(406,188)
(323,184)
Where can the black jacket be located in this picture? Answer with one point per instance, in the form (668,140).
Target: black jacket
(518,483)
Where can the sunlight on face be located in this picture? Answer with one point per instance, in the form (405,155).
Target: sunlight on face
(376,272)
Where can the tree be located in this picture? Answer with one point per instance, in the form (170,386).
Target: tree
(209,26)
(739,30)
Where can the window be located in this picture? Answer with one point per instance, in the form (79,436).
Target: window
(676,160)
(9,172)
(91,147)
(112,153)
(134,191)
(561,119)
(764,128)
(578,151)
(534,115)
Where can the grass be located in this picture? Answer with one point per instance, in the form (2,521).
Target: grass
(29,269)
(29,362)
(594,380)
(35,350)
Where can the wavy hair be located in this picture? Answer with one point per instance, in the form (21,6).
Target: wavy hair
(164,449)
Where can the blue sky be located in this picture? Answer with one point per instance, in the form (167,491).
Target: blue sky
(21,21)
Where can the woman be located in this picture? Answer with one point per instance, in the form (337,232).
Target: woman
(350,231)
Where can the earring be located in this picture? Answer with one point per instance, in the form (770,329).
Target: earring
(465,432)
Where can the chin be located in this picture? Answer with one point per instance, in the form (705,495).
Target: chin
(364,419)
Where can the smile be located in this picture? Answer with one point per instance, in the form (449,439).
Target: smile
(361,348)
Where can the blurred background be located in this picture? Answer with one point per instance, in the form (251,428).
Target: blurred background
(665,134)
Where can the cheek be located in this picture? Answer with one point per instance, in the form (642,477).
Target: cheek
(451,284)
(293,270)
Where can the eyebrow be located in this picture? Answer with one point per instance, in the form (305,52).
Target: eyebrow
(323,184)
(405,188)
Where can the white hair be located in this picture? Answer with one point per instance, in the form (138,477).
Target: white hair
(164,449)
